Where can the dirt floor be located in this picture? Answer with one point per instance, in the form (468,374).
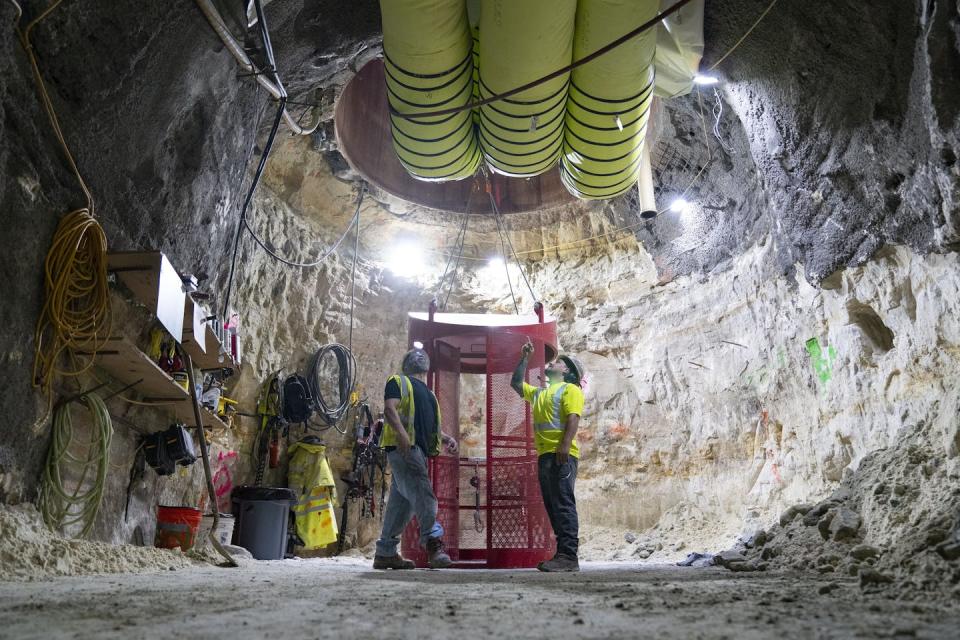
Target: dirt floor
(344,598)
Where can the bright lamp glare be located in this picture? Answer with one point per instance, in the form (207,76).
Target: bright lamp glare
(406,261)
(705,80)
(495,263)
(680,206)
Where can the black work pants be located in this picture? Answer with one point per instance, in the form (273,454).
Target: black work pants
(556,484)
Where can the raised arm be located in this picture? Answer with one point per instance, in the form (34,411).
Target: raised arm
(521,371)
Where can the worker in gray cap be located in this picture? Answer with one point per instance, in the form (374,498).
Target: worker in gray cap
(411,434)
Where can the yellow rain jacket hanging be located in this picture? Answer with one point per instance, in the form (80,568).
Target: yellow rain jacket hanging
(310,477)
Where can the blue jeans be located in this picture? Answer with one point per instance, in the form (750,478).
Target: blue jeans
(557,484)
(411,494)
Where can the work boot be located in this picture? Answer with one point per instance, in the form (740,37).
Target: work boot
(392,562)
(436,557)
(560,563)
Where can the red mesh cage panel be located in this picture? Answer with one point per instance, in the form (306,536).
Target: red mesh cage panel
(490,508)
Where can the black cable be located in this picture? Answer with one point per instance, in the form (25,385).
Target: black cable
(282,105)
(268,48)
(246,205)
(353,277)
(333,248)
(346,377)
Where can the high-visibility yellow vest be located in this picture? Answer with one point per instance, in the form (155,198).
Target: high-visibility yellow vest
(550,413)
(310,477)
(407,411)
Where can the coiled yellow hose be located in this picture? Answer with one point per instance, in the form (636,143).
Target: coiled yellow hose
(76,313)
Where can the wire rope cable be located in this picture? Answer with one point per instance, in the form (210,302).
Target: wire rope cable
(506,264)
(499,216)
(456,266)
(62,507)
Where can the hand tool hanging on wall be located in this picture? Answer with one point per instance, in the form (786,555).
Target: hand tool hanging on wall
(369,460)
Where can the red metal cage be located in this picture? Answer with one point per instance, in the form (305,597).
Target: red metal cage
(490,507)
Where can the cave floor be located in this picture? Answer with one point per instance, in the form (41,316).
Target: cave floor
(345,598)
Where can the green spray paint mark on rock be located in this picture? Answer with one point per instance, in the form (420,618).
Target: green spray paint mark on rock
(822,361)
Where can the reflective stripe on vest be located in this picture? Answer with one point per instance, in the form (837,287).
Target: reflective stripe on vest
(555,425)
(406,395)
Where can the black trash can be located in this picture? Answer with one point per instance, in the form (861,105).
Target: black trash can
(262,515)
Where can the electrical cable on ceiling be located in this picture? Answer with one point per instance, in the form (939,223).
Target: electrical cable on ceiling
(717,114)
(346,378)
(744,36)
(60,507)
(550,76)
(328,253)
(76,313)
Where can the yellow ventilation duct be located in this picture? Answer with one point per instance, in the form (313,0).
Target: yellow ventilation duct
(428,59)
(609,99)
(520,42)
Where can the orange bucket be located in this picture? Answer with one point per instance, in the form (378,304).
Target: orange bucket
(177,527)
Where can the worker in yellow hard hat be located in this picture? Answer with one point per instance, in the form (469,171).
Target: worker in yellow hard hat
(556,412)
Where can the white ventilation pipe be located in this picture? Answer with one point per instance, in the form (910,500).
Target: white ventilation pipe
(216,21)
(648,203)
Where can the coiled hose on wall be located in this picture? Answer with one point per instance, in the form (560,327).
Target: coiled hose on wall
(609,100)
(61,507)
(346,379)
(519,42)
(428,60)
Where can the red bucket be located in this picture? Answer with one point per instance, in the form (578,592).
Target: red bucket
(177,527)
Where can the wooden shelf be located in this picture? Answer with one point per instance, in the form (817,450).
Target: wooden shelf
(125,362)
(205,350)
(153,281)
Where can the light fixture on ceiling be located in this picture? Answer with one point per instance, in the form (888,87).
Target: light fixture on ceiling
(705,80)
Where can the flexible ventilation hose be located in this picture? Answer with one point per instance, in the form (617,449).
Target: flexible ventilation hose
(609,100)
(61,507)
(521,41)
(428,60)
